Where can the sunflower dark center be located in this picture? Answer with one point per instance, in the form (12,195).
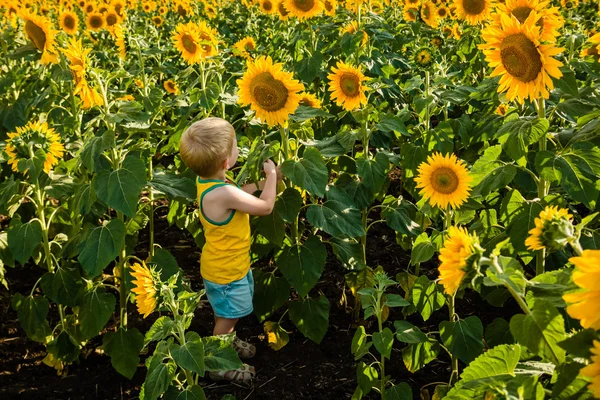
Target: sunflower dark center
(328,5)
(111,19)
(89,8)
(304,5)
(69,22)
(157,20)
(267,5)
(473,7)
(426,12)
(442,12)
(282,9)
(306,102)
(249,45)
(206,46)
(96,22)
(520,57)
(36,35)
(521,13)
(593,51)
(188,44)
(181,11)
(350,84)
(118,8)
(444,180)
(270,93)
(171,86)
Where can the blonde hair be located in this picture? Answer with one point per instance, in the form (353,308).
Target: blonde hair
(206,144)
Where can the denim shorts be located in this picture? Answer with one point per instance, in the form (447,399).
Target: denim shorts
(233,299)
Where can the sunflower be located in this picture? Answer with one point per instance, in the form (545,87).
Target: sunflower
(89,7)
(584,305)
(513,49)
(412,3)
(444,181)
(111,18)
(119,6)
(423,57)
(171,87)
(187,41)
(245,46)
(120,41)
(94,22)
(346,85)
(548,18)
(474,11)
(568,4)
(502,109)
(456,31)
(437,41)
(267,6)
(139,83)
(442,12)
(210,10)
(594,50)
(127,97)
(23,143)
(309,100)
(145,289)
(282,11)
(553,229)
(271,92)
(410,14)
(208,40)
(459,246)
(68,22)
(157,20)
(593,370)
(352,28)
(77,57)
(303,9)
(429,14)
(330,7)
(39,30)
(162,10)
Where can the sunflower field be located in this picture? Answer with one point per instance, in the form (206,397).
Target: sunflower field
(435,236)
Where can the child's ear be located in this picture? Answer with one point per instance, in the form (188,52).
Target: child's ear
(226,165)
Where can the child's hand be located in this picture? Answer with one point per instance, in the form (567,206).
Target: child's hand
(269,168)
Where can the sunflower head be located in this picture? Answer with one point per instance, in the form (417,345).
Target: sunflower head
(283,13)
(423,57)
(474,11)
(23,145)
(146,288)
(303,9)
(583,304)
(309,100)
(271,92)
(171,87)
(437,41)
(95,21)
(444,181)
(245,46)
(458,258)
(330,7)
(410,14)
(429,14)
(346,84)
(553,230)
(268,6)
(157,20)
(502,109)
(187,41)
(40,32)
(68,22)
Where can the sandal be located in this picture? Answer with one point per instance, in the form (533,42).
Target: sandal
(244,349)
(241,375)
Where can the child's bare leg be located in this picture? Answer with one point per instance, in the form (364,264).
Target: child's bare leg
(224,326)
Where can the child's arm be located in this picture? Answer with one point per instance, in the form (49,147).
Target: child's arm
(245,202)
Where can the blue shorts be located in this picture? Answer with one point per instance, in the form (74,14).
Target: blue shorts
(233,299)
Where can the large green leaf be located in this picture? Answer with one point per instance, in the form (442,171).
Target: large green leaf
(408,333)
(489,173)
(23,239)
(383,342)
(160,375)
(101,247)
(515,136)
(219,355)
(349,252)
(400,215)
(366,376)
(401,391)
(463,338)
(174,185)
(272,227)
(95,310)
(373,172)
(311,317)
(424,247)
(123,347)
(63,286)
(288,204)
(93,149)
(541,331)
(160,329)
(417,355)
(192,393)
(309,173)
(519,216)
(190,356)
(336,218)
(427,297)
(32,312)
(302,264)
(498,332)
(120,189)
(271,292)
(166,263)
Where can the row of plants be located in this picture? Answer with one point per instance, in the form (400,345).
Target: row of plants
(489,111)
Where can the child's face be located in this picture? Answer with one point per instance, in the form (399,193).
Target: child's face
(235,152)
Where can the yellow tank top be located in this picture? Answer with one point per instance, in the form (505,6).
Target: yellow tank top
(226,254)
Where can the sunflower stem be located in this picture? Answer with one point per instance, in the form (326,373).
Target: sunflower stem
(447,219)
(122,267)
(542,185)
(151,201)
(576,246)
(45,225)
(454,362)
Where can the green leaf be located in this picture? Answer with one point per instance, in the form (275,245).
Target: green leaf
(158,379)
(23,239)
(383,342)
(62,348)
(366,376)
(190,356)
(498,332)
(62,286)
(308,68)
(271,292)
(174,185)
(160,329)
(566,373)
(192,393)
(288,204)
(567,83)
(304,113)
(166,262)
(123,347)
(373,171)
(515,136)
(401,391)
(424,248)
(272,227)
(463,338)
(311,317)
(349,252)
(8,189)
(310,173)
(519,216)
(32,312)
(121,189)
(101,247)
(6,256)
(512,275)
(489,173)
(219,355)
(426,297)
(541,331)
(408,333)
(93,149)
(400,215)
(336,218)
(302,264)
(580,344)
(85,197)
(395,300)
(391,123)
(359,340)
(417,355)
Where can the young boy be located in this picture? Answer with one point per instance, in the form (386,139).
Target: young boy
(209,148)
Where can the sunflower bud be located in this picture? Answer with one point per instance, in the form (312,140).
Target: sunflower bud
(553,230)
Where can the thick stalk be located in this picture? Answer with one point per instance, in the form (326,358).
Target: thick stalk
(380,325)
(427,117)
(151,201)
(542,186)
(42,217)
(454,362)
(363,239)
(122,286)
